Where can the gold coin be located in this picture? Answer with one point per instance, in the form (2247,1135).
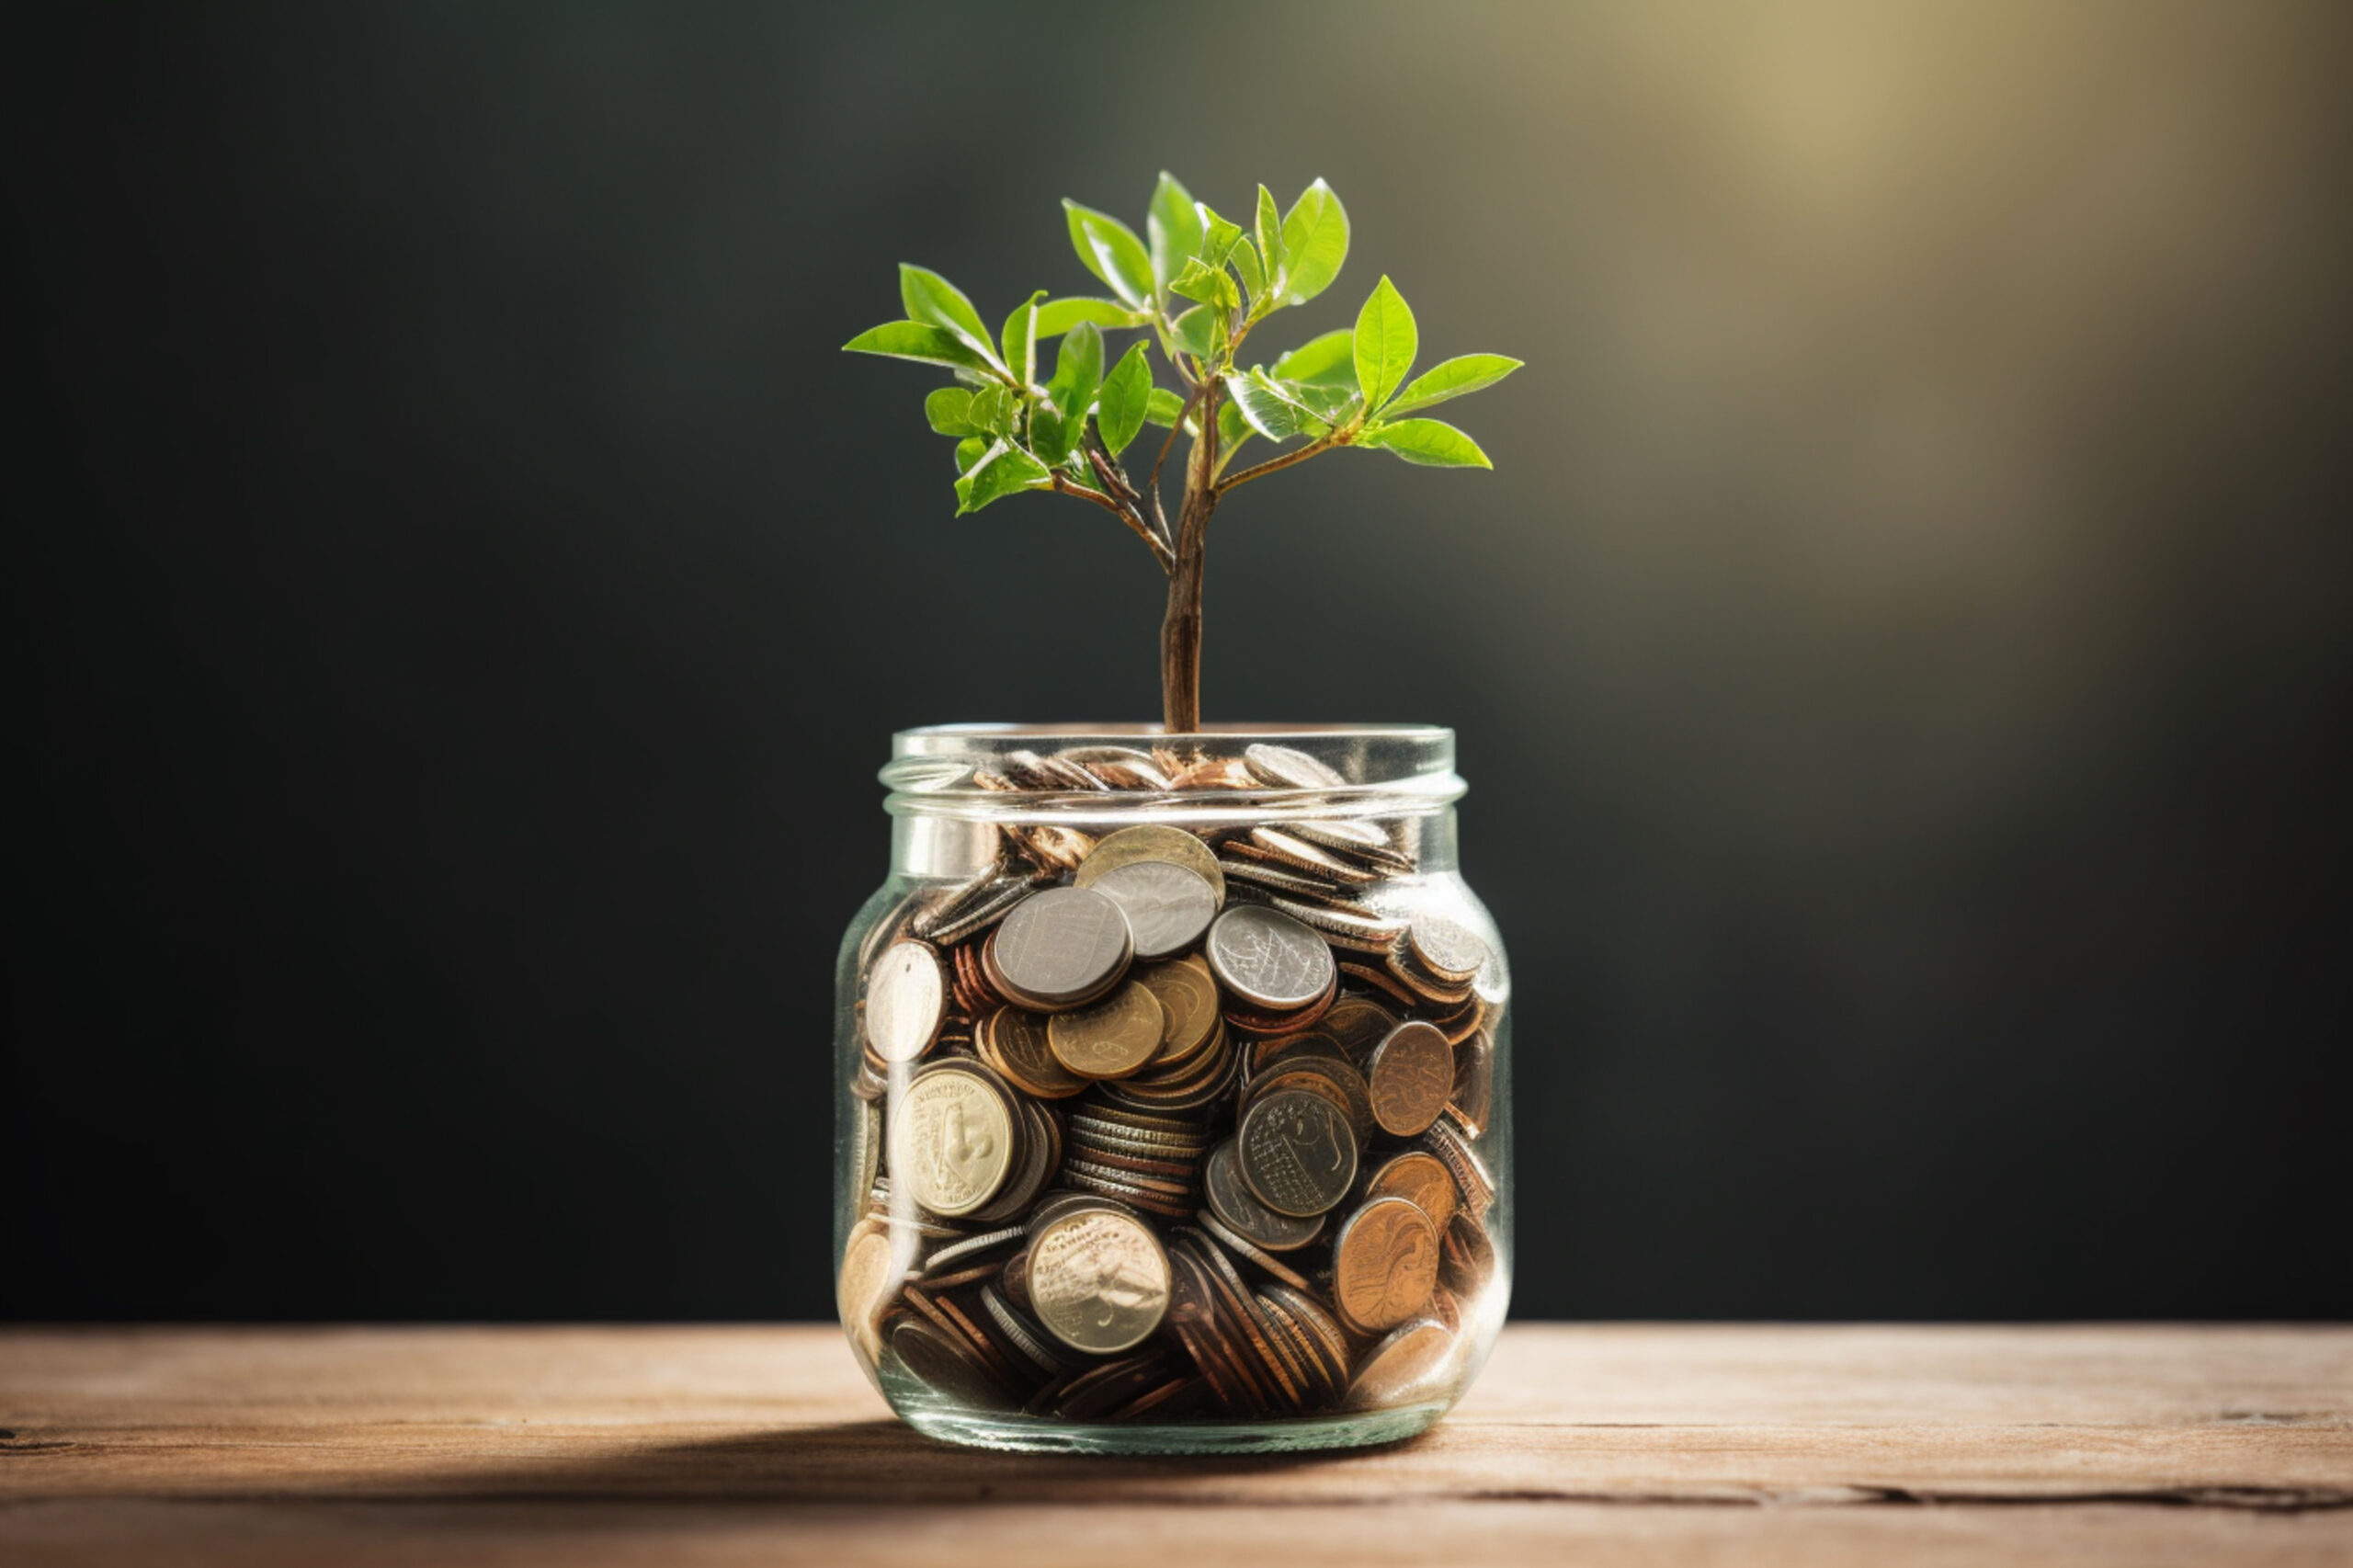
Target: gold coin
(1385,1264)
(1188,998)
(1422,1180)
(1151,841)
(869,1277)
(951,1139)
(1111,1039)
(1099,1281)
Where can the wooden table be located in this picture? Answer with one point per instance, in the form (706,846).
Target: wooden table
(682,1445)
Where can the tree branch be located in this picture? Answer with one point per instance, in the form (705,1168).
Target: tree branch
(1301,455)
(1133,520)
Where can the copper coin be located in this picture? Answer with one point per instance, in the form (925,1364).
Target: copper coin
(1384,1263)
(1061,948)
(1113,1037)
(1298,1153)
(1152,841)
(1406,1366)
(1015,1042)
(1421,1179)
(905,998)
(1168,906)
(941,1360)
(1359,1023)
(1335,1081)
(1411,1075)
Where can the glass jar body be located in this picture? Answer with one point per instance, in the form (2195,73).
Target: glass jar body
(1173,1093)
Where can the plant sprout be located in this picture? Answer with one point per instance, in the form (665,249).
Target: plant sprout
(1202,285)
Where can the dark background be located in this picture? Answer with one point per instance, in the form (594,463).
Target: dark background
(1901,658)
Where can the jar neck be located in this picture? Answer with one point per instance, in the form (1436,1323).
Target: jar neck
(957,790)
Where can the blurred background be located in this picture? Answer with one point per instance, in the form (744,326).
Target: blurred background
(1901,658)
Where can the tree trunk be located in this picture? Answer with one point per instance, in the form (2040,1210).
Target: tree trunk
(1180,629)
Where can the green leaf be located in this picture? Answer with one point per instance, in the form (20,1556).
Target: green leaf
(1020,339)
(1325,361)
(1430,442)
(1058,316)
(1078,371)
(1112,252)
(1315,241)
(1119,411)
(1452,378)
(1196,331)
(1270,245)
(950,410)
(921,342)
(1273,412)
(970,451)
(1244,260)
(1174,227)
(1003,469)
(1209,285)
(1385,344)
(1163,407)
(1333,405)
(1232,429)
(1217,235)
(993,411)
(931,299)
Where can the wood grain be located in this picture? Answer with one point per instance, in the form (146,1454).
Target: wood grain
(1639,1443)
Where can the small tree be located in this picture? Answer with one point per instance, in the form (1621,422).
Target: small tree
(1202,285)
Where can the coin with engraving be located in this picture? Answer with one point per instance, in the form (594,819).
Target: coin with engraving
(1187,996)
(1015,1043)
(951,1137)
(905,998)
(1269,959)
(1297,1153)
(1384,1263)
(1168,906)
(1287,767)
(1098,1280)
(1411,1075)
(1230,1200)
(1151,841)
(1419,1177)
(1061,948)
(1113,1037)
(1446,949)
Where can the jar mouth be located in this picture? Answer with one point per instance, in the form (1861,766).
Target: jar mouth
(988,771)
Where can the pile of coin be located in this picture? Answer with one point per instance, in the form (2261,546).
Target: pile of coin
(1171,1124)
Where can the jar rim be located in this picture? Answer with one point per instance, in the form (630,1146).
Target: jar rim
(1383,768)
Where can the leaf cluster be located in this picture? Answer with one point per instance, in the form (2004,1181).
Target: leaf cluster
(1199,286)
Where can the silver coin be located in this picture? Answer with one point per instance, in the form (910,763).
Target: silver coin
(1168,906)
(1297,1153)
(905,998)
(1268,959)
(1281,768)
(1063,948)
(1230,1200)
(1447,949)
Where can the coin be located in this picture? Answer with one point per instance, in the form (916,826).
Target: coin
(1187,996)
(1297,1153)
(1241,1246)
(1061,948)
(943,1362)
(951,1139)
(1114,1036)
(1359,1023)
(1335,1081)
(1420,1178)
(905,997)
(870,1278)
(1099,1281)
(1285,767)
(1230,1200)
(1401,1365)
(1469,1256)
(1168,906)
(1289,849)
(1016,1044)
(1385,1262)
(1151,841)
(1269,959)
(1446,949)
(1411,1075)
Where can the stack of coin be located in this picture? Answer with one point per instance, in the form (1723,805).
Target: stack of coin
(1167,1125)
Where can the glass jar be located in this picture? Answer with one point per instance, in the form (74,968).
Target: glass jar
(1172,1103)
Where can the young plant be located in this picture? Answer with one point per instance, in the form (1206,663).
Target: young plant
(1202,285)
